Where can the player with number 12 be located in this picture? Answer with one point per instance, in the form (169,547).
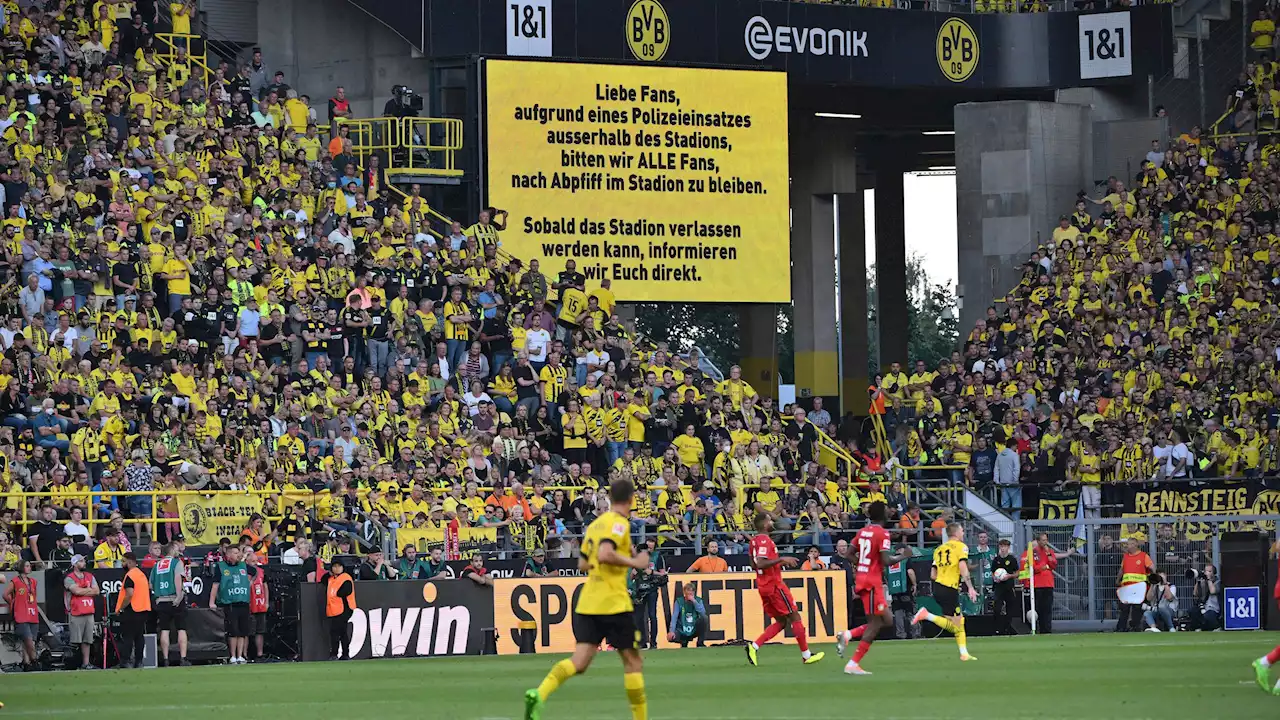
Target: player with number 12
(872,543)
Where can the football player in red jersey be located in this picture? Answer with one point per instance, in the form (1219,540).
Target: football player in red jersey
(774,595)
(1262,666)
(872,546)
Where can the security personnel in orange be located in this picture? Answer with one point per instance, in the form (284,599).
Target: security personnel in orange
(1131,585)
(339,603)
(133,606)
(258,537)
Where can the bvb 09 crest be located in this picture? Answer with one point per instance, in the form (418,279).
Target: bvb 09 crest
(197,518)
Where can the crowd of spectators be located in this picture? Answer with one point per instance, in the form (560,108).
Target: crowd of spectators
(1140,343)
(204,289)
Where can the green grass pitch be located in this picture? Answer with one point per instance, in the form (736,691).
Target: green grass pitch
(1125,677)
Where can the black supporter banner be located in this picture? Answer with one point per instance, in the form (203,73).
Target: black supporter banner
(405,618)
(1209,497)
(814,43)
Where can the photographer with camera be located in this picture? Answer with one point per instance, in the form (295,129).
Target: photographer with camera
(645,585)
(1206,611)
(1161,604)
(404,102)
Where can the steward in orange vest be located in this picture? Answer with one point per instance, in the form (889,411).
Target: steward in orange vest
(339,603)
(133,606)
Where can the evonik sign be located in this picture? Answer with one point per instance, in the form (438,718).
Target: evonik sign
(763,39)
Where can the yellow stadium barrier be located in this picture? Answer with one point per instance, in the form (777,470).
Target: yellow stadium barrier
(412,147)
(167,45)
(426,156)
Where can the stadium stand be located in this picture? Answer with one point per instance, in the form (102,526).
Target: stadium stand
(206,289)
(1140,343)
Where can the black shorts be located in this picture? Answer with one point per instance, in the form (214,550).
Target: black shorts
(258,623)
(618,630)
(236,617)
(171,616)
(948,599)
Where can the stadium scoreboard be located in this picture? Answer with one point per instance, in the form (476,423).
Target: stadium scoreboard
(671,182)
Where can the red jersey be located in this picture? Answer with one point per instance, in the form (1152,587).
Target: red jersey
(762,548)
(870,541)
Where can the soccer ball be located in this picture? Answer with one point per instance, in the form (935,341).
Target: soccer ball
(1000,575)
(1031,616)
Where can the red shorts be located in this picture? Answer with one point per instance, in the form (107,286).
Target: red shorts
(777,601)
(871,591)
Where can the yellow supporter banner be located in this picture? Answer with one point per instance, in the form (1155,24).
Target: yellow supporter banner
(671,182)
(733,607)
(470,539)
(209,518)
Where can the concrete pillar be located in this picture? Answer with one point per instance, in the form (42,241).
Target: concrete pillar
(822,166)
(891,264)
(853,303)
(1019,166)
(758,342)
(813,288)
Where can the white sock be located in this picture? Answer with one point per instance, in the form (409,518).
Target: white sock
(1264,661)
(930,616)
(754,645)
(851,664)
(964,650)
(805,654)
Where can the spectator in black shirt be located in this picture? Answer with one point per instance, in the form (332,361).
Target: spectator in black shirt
(804,432)
(375,567)
(42,537)
(271,340)
(379,320)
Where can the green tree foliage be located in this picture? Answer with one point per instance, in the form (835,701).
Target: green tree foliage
(931,317)
(712,327)
(931,320)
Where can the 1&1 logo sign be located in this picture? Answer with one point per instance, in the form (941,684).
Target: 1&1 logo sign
(957,49)
(648,30)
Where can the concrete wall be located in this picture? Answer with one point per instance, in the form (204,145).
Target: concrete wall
(320,44)
(1019,166)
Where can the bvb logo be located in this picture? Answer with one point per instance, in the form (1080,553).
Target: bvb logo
(648,30)
(957,49)
(197,518)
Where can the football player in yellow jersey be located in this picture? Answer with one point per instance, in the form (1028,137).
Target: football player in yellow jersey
(604,610)
(950,569)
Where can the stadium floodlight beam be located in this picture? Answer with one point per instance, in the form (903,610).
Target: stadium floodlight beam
(842,116)
(938,132)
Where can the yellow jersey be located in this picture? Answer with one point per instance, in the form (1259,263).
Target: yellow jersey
(947,558)
(605,592)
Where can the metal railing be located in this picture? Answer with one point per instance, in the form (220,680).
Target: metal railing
(425,147)
(167,53)
(1085,582)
